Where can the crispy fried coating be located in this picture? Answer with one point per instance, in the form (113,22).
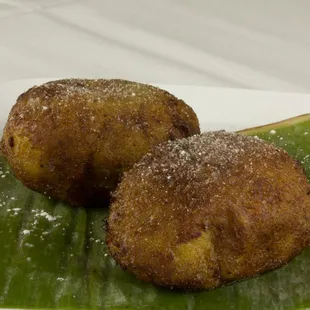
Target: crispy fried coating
(205,211)
(73,139)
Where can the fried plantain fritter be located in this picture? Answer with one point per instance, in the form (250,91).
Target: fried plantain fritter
(205,211)
(72,139)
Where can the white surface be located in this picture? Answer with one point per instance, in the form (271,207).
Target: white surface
(256,44)
(216,108)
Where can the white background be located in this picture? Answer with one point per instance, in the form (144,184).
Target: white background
(260,44)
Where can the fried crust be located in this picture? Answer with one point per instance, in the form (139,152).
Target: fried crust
(209,210)
(72,139)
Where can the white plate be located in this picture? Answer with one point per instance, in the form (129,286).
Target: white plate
(217,108)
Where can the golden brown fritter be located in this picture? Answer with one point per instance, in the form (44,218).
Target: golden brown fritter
(201,212)
(73,139)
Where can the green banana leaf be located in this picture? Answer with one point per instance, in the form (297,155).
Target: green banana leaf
(54,256)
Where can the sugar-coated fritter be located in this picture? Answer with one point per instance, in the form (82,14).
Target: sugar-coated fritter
(205,211)
(73,139)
